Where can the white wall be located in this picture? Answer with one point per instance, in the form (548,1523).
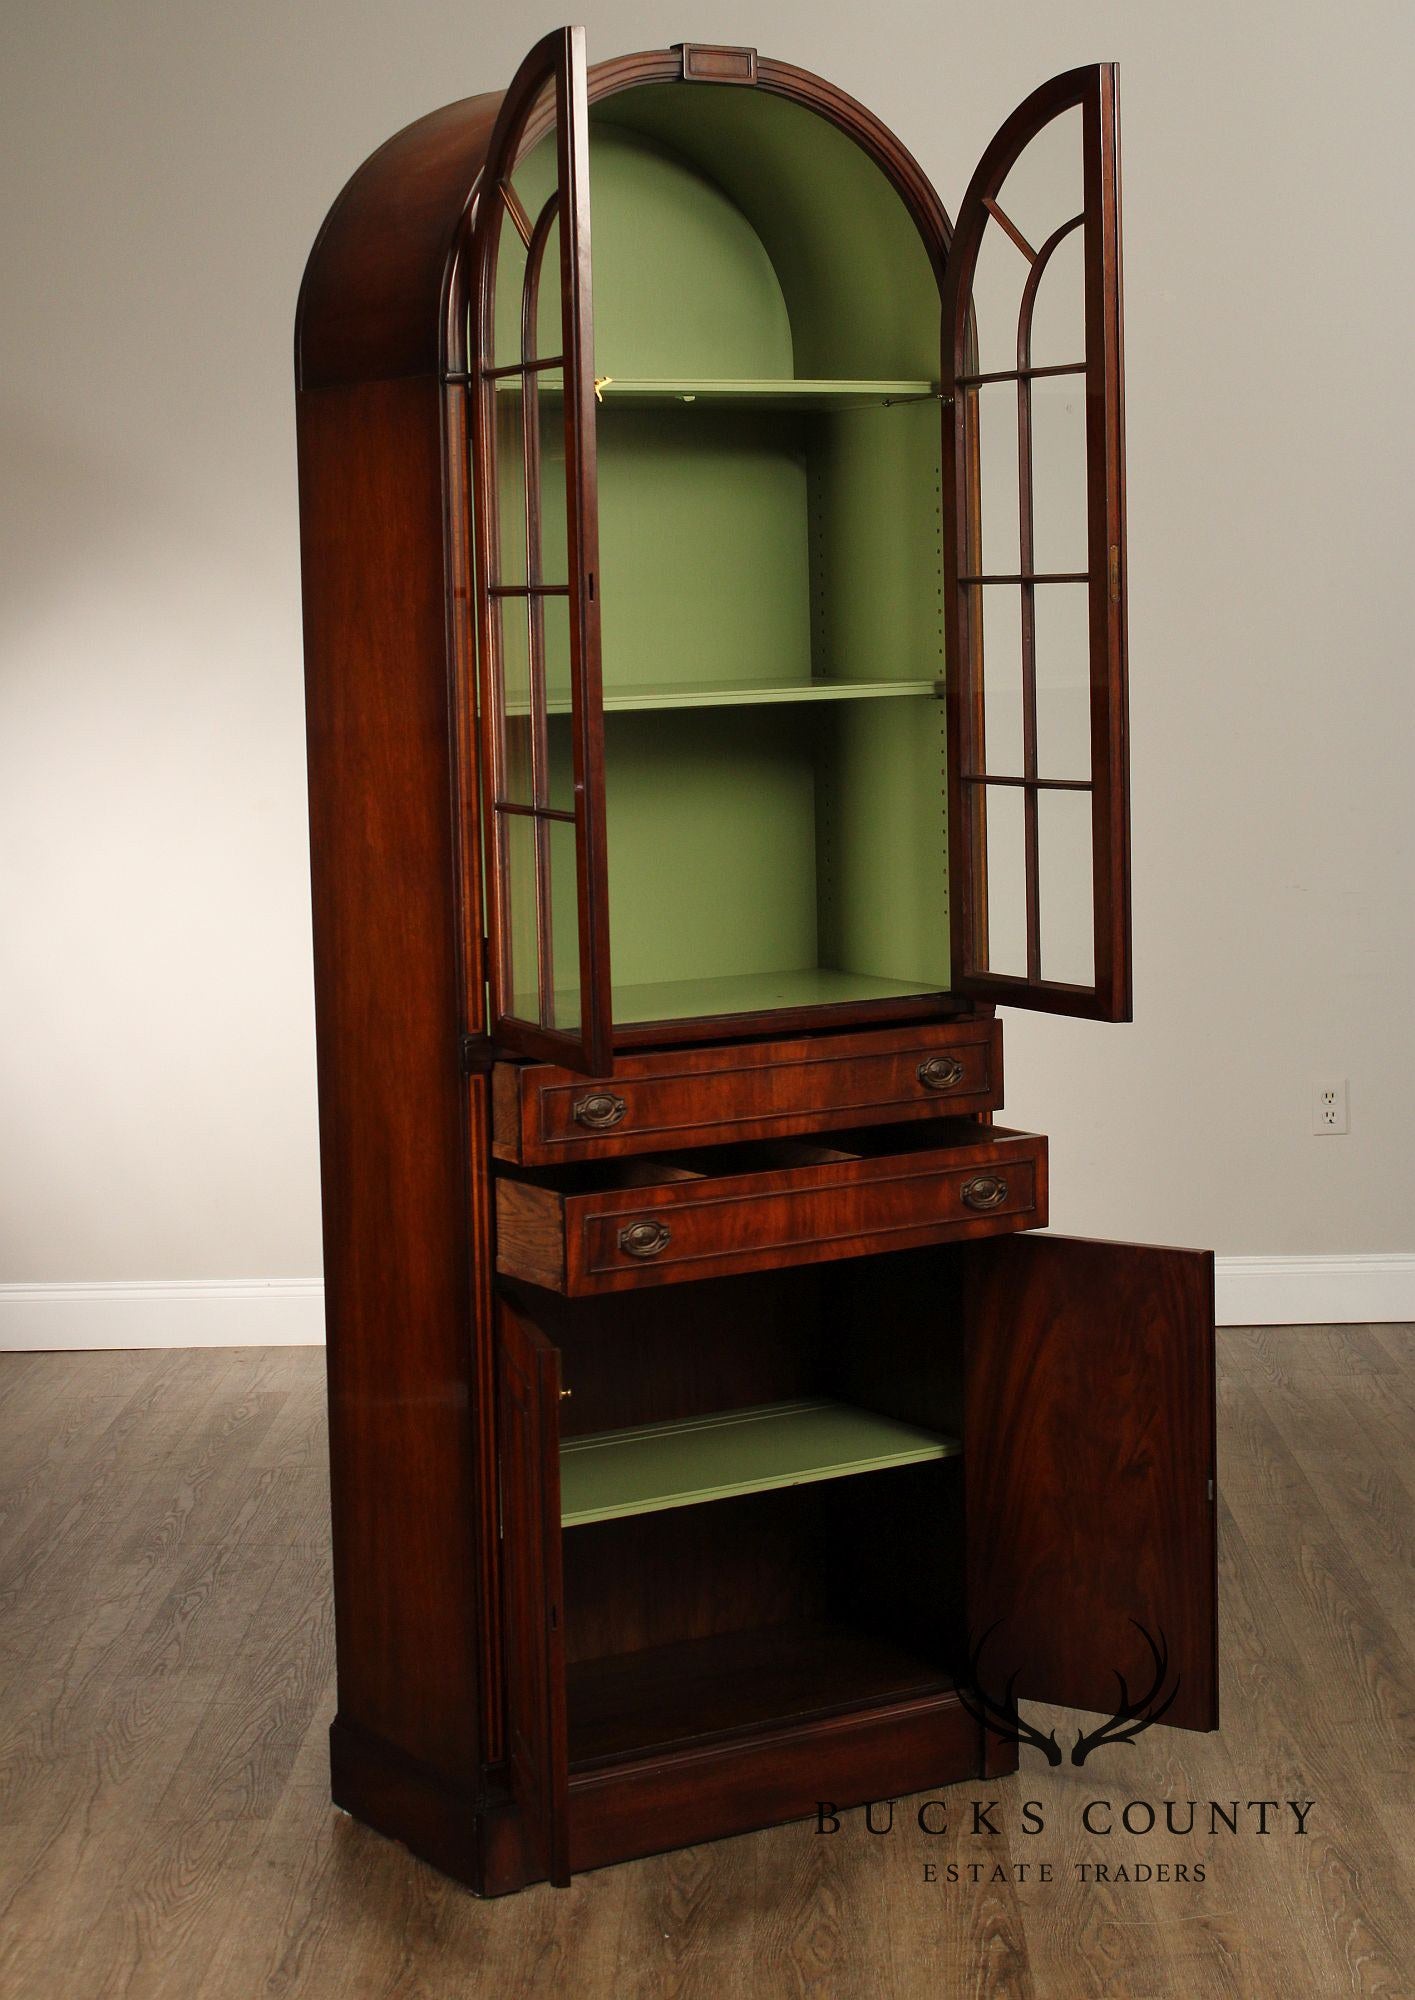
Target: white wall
(166,168)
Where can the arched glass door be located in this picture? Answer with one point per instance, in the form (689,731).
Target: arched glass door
(536,562)
(1035,555)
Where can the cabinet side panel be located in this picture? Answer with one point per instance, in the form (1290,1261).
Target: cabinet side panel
(401,1388)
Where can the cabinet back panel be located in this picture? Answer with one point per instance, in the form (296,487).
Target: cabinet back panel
(703,546)
(852,268)
(712,856)
(726,1344)
(880,1551)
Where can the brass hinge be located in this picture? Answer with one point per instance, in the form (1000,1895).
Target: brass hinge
(1115,572)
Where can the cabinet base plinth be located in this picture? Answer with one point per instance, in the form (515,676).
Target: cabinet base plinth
(436,1819)
(622,1811)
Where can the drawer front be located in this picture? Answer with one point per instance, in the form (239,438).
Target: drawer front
(763,1090)
(711,1227)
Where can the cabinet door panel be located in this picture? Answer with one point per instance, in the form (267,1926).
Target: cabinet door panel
(535,564)
(529,1426)
(1034,504)
(1089,1466)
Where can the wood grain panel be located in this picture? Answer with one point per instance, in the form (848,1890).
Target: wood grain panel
(1089,1419)
(536,1756)
(393,1158)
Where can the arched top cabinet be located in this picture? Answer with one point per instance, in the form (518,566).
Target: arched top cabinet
(714,593)
(795,634)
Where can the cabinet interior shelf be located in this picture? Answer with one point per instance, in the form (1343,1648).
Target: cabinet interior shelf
(610,1474)
(739,993)
(782,392)
(731,694)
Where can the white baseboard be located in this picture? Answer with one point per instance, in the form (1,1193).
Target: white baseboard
(1315,1291)
(166,1312)
(289,1312)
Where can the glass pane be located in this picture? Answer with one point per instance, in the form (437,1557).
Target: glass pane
(1065,903)
(558,787)
(1044,187)
(1059,473)
(999,277)
(546,525)
(510,283)
(512,616)
(1062,632)
(999,606)
(518,834)
(992,416)
(540,319)
(552,490)
(565,902)
(1059,309)
(547,620)
(509,563)
(1006,881)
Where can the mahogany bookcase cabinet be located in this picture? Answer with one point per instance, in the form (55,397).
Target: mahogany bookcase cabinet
(716,709)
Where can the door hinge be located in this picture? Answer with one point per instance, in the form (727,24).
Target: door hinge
(1115,572)
(1211,1491)
(478,1055)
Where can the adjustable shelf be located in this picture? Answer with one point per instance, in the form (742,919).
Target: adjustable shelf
(684,1464)
(783,392)
(732,694)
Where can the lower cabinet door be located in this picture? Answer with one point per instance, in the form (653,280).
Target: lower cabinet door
(528,1369)
(1089,1477)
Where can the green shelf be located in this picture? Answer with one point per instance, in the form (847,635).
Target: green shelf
(657,1466)
(734,993)
(780,392)
(735,694)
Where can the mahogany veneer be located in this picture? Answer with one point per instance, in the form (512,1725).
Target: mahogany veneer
(546,1223)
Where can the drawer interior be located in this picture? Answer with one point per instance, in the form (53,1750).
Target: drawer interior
(761,1499)
(938,1135)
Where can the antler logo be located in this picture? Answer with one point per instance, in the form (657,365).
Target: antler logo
(1131,1718)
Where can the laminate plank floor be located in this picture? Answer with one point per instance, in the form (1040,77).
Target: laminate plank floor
(166,1684)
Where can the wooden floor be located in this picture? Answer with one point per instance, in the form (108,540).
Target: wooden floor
(167,1664)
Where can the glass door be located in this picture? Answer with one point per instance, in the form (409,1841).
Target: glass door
(536,562)
(1034,516)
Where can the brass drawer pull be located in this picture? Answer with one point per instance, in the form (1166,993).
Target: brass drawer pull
(644,1239)
(601,1109)
(985,1191)
(940,1073)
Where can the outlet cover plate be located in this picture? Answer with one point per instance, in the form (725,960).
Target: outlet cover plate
(1331,1110)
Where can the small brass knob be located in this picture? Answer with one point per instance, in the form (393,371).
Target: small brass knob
(985,1191)
(940,1073)
(644,1239)
(566,1394)
(600,1109)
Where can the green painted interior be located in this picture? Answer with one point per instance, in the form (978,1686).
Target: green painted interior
(644,1471)
(779,392)
(770,563)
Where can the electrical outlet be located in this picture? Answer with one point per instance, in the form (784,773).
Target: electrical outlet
(1330,1110)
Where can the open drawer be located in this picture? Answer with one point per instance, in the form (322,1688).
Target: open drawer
(622,1224)
(542,1116)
